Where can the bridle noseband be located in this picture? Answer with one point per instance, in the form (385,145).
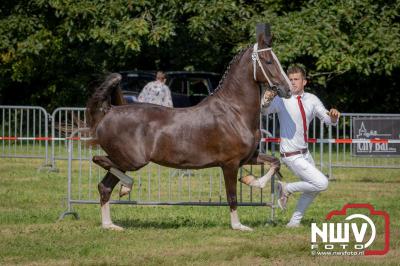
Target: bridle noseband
(256,59)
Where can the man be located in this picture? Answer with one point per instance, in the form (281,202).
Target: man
(157,92)
(295,114)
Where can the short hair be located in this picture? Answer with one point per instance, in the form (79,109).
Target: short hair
(297,69)
(160,75)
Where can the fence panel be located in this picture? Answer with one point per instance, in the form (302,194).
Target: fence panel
(365,141)
(64,121)
(158,185)
(24,132)
(357,141)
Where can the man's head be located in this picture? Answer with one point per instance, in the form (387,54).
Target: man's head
(297,77)
(160,76)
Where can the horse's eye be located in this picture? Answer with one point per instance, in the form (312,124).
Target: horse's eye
(268,62)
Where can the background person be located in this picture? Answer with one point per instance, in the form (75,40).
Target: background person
(295,115)
(157,92)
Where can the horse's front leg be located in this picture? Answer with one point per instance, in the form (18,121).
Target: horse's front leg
(230,176)
(261,182)
(105,188)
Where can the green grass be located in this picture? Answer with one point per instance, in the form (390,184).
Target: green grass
(31,202)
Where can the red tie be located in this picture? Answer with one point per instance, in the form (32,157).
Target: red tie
(303,116)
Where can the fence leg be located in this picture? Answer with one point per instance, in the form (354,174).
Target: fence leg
(53,154)
(271,221)
(47,164)
(330,176)
(69,210)
(62,216)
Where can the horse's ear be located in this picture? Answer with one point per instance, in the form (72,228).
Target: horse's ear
(263,32)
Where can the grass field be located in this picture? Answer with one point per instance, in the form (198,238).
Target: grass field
(31,202)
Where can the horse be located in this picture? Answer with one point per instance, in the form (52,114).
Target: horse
(221,131)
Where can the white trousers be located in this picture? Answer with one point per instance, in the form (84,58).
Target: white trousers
(312,182)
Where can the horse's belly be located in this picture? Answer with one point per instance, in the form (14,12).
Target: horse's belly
(183,156)
(196,154)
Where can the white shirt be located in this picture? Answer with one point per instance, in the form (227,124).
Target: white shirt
(291,122)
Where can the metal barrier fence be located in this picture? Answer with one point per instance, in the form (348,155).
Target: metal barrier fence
(355,150)
(24,132)
(157,185)
(64,121)
(357,141)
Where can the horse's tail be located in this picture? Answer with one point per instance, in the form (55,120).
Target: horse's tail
(107,94)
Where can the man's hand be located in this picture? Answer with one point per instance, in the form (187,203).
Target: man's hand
(267,98)
(334,115)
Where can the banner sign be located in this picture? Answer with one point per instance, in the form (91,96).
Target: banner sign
(376,128)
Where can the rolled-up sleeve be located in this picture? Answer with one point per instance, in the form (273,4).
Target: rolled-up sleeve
(322,113)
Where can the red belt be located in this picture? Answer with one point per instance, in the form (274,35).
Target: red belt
(292,153)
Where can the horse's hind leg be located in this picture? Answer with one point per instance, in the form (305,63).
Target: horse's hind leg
(262,181)
(230,176)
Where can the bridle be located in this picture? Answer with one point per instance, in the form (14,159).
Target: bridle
(256,59)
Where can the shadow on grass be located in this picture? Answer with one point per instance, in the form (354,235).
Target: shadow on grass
(375,180)
(187,222)
(168,223)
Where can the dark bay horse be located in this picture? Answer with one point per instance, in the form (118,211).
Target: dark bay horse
(222,130)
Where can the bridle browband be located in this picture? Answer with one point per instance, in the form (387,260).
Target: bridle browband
(256,59)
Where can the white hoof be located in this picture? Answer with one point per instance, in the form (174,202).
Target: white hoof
(124,191)
(112,227)
(247,180)
(241,227)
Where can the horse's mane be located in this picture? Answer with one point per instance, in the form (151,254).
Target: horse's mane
(236,58)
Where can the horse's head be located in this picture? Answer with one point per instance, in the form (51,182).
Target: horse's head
(266,66)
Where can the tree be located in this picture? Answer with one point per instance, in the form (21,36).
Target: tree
(51,50)
(348,46)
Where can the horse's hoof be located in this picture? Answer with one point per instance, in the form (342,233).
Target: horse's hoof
(247,179)
(124,191)
(241,227)
(112,227)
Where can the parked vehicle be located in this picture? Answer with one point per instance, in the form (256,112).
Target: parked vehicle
(187,88)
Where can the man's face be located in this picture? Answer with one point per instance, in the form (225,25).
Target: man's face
(298,83)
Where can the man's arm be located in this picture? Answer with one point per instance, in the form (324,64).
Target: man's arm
(330,117)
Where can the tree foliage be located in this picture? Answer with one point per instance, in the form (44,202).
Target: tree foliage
(51,50)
